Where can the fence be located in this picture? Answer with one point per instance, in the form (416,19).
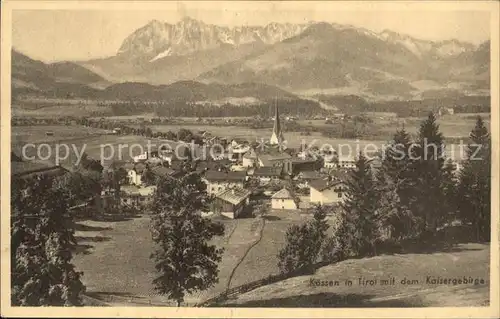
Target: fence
(258,283)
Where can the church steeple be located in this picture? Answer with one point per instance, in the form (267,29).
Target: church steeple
(277,136)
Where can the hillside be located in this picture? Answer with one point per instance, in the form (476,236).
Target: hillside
(469,260)
(60,79)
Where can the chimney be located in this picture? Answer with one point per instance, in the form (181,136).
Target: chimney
(233,191)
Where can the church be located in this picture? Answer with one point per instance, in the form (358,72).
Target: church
(277,137)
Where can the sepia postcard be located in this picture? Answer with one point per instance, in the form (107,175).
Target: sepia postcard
(250,159)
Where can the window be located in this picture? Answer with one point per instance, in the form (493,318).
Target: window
(124,200)
(340,194)
(142,199)
(282,200)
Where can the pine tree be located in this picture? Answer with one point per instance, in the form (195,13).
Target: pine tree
(474,185)
(394,184)
(428,200)
(304,243)
(42,240)
(185,261)
(360,208)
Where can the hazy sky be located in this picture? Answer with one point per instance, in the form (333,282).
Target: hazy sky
(51,35)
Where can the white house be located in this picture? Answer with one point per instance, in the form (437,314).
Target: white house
(249,159)
(135,174)
(283,199)
(326,192)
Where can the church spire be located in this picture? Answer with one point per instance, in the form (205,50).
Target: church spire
(277,136)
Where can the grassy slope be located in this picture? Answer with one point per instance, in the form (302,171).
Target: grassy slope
(465,260)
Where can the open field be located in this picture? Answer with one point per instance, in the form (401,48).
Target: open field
(60,110)
(37,133)
(126,278)
(92,141)
(130,272)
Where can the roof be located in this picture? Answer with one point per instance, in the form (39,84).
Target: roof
(250,154)
(233,195)
(163,171)
(147,191)
(310,175)
(222,176)
(139,167)
(323,184)
(275,156)
(283,194)
(346,158)
(268,171)
(130,190)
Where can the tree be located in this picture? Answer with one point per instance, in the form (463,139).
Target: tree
(394,184)
(148,178)
(303,243)
(41,242)
(186,262)
(360,228)
(474,183)
(428,197)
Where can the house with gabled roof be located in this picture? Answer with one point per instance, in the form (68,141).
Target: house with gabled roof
(218,181)
(231,202)
(284,199)
(267,174)
(327,191)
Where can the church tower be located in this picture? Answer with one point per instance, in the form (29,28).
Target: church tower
(277,137)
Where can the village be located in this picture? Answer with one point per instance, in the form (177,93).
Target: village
(291,182)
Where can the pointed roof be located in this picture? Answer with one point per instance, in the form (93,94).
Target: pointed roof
(284,193)
(277,136)
(277,125)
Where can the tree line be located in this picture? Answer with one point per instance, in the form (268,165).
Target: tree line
(413,195)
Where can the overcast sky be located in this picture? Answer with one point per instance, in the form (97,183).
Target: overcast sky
(52,35)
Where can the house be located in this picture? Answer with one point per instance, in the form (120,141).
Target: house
(218,181)
(305,164)
(305,177)
(276,159)
(250,159)
(231,202)
(135,174)
(283,199)
(267,174)
(162,171)
(327,191)
(131,195)
(346,161)
(446,110)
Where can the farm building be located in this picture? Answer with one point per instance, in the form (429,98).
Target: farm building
(326,192)
(218,181)
(283,199)
(231,202)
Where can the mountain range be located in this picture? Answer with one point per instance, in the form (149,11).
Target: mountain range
(307,58)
